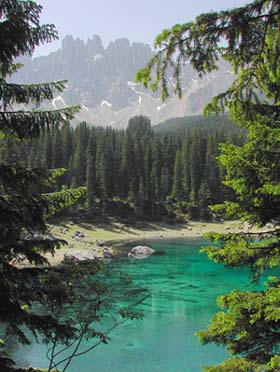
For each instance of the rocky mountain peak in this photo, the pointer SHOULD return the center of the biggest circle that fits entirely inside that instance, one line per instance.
(102, 81)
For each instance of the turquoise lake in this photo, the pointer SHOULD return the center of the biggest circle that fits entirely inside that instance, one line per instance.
(183, 286)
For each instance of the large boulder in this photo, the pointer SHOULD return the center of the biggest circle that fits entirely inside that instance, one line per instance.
(141, 251)
(79, 256)
(100, 243)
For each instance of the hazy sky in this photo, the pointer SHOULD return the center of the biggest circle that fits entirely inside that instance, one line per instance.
(138, 20)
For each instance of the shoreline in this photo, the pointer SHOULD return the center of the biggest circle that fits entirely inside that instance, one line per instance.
(83, 236)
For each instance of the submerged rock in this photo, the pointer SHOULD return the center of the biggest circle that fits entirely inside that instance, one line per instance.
(107, 254)
(141, 251)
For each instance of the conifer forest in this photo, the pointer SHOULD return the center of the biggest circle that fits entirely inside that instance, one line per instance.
(135, 172)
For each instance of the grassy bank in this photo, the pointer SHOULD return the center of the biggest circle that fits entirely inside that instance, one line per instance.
(84, 235)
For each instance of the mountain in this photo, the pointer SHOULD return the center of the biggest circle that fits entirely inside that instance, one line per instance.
(102, 81)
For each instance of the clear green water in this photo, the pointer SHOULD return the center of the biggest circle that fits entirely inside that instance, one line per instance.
(183, 285)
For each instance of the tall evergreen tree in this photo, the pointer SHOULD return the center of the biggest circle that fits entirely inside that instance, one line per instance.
(127, 165)
(79, 156)
(66, 135)
(22, 210)
(212, 174)
(177, 189)
(249, 322)
(90, 173)
(57, 149)
(47, 151)
(186, 166)
(197, 162)
(165, 183)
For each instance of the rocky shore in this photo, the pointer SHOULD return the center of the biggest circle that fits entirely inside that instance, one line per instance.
(102, 240)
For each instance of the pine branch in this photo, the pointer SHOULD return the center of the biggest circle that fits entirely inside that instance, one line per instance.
(20, 31)
(60, 200)
(237, 35)
(26, 94)
(29, 124)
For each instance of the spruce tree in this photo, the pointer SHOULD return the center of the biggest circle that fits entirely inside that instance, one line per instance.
(79, 156)
(197, 163)
(67, 137)
(90, 173)
(47, 151)
(212, 174)
(248, 37)
(177, 188)
(23, 230)
(57, 149)
(186, 166)
(127, 162)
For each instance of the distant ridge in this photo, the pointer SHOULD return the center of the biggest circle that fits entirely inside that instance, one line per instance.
(198, 121)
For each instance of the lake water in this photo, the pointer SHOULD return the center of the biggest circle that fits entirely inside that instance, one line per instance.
(183, 285)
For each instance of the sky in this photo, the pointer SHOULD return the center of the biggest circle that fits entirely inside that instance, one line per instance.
(139, 21)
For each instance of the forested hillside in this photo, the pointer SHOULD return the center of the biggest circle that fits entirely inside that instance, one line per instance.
(196, 122)
(135, 172)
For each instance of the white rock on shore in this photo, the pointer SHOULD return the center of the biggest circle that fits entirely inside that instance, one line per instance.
(141, 251)
(79, 256)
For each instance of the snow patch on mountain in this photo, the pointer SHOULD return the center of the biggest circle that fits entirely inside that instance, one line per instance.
(161, 107)
(131, 84)
(106, 103)
(101, 81)
(97, 57)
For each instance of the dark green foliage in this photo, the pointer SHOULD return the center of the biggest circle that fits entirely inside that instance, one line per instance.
(199, 122)
(20, 31)
(247, 37)
(249, 327)
(79, 156)
(25, 201)
(177, 189)
(197, 161)
(90, 173)
(150, 170)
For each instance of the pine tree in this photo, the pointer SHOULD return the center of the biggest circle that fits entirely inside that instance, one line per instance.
(79, 156)
(67, 135)
(212, 174)
(127, 162)
(177, 189)
(186, 165)
(90, 173)
(249, 322)
(47, 151)
(165, 183)
(197, 163)
(140, 200)
(105, 172)
(22, 210)
(155, 177)
(147, 165)
(57, 149)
